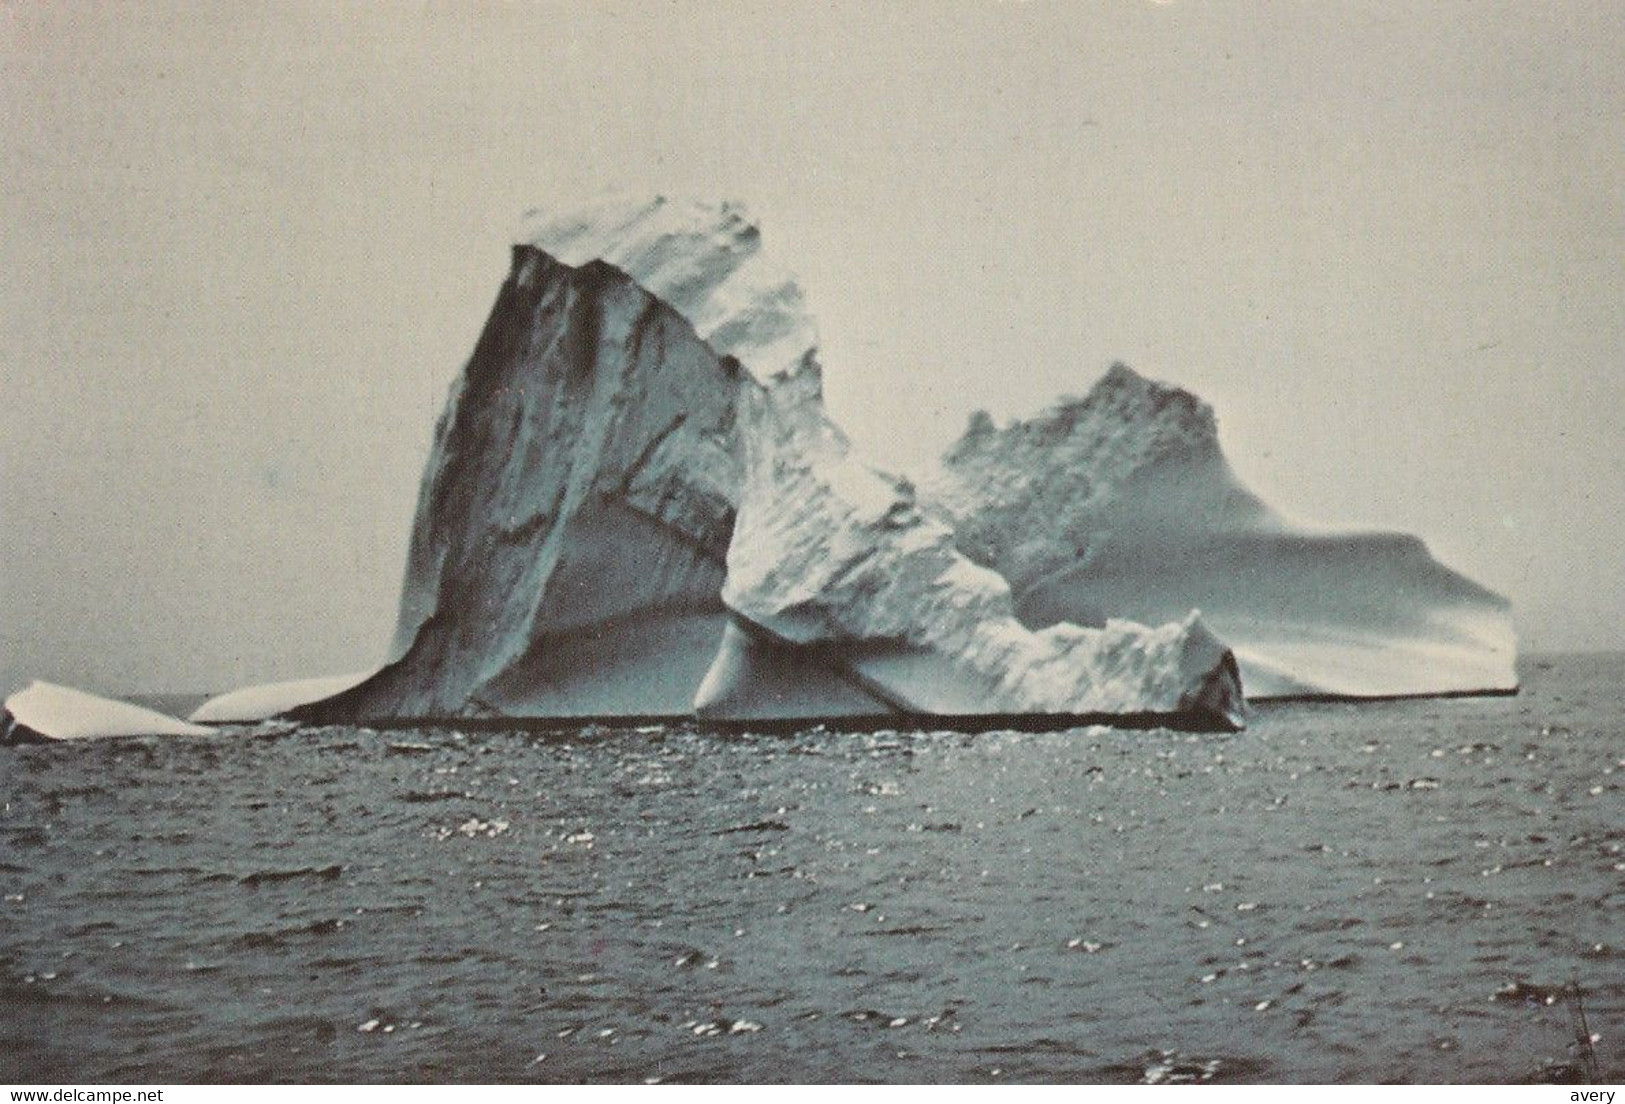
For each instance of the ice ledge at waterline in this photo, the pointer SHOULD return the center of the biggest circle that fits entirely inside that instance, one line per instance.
(637, 506)
(576, 522)
(272, 699)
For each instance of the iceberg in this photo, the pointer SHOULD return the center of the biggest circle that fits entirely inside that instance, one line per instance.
(636, 507)
(44, 711)
(250, 704)
(1121, 503)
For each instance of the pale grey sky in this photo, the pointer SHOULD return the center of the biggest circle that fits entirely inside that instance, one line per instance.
(247, 250)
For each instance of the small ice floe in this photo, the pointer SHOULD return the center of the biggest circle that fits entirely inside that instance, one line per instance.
(44, 712)
(582, 836)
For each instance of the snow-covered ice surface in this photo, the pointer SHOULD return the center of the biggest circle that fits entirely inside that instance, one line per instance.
(259, 703)
(704, 261)
(1122, 504)
(44, 710)
(575, 522)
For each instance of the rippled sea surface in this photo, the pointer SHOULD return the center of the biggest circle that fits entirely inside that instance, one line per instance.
(1392, 891)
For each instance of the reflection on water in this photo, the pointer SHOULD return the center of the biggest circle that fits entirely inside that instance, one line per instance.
(1396, 891)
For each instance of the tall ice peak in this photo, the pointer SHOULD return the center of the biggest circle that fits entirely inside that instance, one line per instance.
(704, 260)
(1160, 418)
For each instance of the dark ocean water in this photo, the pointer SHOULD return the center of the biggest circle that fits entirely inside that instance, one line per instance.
(1342, 893)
